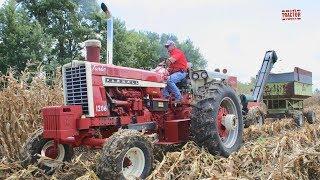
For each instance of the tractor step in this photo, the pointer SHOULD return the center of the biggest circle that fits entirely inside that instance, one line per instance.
(143, 126)
(177, 131)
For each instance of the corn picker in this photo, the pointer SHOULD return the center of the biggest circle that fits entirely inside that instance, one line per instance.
(121, 109)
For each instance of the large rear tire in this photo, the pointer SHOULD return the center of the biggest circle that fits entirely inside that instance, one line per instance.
(126, 155)
(36, 145)
(210, 119)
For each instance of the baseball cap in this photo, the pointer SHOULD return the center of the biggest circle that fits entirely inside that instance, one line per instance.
(169, 42)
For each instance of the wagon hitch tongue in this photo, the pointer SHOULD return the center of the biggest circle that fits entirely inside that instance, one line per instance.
(230, 122)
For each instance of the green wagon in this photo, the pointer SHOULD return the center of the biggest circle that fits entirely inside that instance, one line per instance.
(284, 94)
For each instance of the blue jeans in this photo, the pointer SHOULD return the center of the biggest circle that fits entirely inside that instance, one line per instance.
(171, 85)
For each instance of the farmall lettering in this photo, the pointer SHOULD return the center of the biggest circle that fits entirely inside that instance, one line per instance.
(121, 81)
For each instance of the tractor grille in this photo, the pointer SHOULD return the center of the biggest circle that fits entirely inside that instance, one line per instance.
(51, 122)
(76, 87)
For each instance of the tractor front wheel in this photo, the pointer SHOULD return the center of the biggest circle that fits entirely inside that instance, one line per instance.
(126, 155)
(36, 145)
(216, 121)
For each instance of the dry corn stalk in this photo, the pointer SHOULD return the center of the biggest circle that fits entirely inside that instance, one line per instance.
(20, 105)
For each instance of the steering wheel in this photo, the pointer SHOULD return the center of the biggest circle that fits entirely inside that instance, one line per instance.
(162, 62)
(164, 65)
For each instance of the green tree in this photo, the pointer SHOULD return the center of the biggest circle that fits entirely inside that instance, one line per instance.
(193, 54)
(65, 22)
(53, 31)
(131, 48)
(22, 39)
(246, 88)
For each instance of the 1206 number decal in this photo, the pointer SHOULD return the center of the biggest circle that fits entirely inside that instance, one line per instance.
(101, 108)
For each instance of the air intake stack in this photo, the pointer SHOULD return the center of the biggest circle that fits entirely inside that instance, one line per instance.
(93, 47)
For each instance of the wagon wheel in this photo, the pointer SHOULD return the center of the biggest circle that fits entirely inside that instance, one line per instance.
(310, 116)
(298, 119)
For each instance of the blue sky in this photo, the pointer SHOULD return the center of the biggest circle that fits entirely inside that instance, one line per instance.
(234, 34)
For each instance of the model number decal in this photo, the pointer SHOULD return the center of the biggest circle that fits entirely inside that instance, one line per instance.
(121, 81)
(101, 108)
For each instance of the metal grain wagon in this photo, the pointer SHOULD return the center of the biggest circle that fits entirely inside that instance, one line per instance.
(285, 92)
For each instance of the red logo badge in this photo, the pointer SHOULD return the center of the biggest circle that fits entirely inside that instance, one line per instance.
(291, 14)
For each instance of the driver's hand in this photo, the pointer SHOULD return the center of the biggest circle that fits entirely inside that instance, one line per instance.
(162, 63)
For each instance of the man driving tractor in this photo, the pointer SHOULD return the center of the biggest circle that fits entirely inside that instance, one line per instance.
(177, 68)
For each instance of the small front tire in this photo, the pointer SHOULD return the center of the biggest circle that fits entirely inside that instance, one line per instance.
(37, 145)
(126, 155)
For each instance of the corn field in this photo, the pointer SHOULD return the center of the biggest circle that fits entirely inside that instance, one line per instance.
(20, 105)
(276, 150)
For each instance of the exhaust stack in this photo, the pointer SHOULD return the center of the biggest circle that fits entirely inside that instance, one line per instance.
(110, 41)
(109, 34)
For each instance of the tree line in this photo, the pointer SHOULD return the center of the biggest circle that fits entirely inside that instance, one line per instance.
(50, 33)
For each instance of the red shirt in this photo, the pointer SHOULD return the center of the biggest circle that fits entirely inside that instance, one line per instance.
(181, 63)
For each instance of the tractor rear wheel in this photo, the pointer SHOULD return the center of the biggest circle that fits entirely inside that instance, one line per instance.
(126, 155)
(216, 120)
(37, 145)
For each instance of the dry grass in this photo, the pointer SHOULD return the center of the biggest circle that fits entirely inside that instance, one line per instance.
(312, 101)
(277, 150)
(289, 155)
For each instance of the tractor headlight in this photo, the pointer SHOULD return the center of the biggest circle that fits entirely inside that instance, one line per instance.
(204, 75)
(195, 76)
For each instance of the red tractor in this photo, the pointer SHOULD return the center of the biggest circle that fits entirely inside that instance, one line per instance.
(120, 109)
